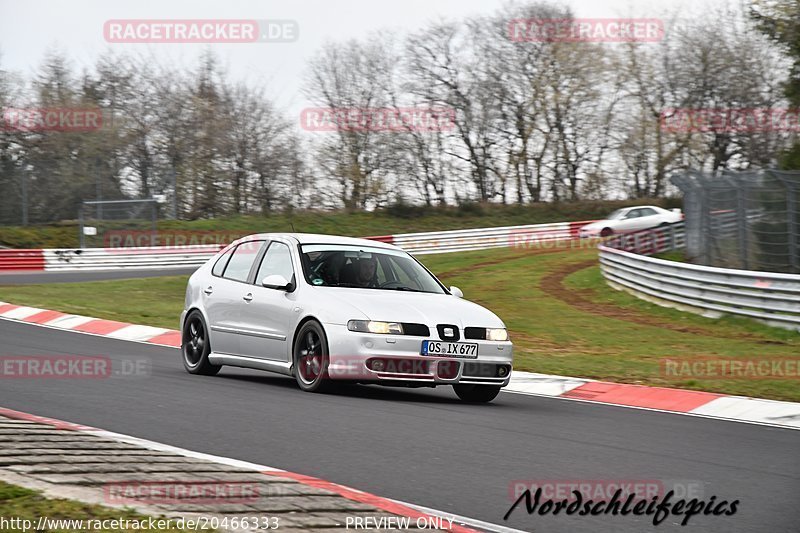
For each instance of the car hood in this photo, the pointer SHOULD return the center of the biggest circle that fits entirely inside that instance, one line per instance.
(398, 306)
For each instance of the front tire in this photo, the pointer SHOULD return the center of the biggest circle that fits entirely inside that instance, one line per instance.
(195, 346)
(311, 358)
(606, 232)
(477, 393)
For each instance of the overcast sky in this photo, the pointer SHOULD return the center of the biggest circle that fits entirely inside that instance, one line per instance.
(28, 28)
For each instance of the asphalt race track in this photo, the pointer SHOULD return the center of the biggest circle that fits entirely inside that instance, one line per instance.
(55, 276)
(421, 446)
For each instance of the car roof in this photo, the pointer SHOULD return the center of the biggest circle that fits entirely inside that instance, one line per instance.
(318, 238)
(640, 207)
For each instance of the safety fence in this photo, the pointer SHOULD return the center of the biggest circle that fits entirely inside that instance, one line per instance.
(748, 220)
(648, 242)
(188, 256)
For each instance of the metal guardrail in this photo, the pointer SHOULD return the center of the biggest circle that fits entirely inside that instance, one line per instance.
(21, 260)
(120, 258)
(766, 296)
(485, 238)
(177, 256)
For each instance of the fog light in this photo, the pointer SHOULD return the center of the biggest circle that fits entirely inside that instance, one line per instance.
(502, 371)
(377, 365)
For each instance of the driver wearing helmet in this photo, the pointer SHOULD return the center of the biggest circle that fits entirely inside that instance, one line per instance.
(366, 270)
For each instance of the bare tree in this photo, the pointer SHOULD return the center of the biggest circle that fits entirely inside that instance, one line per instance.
(354, 77)
(445, 71)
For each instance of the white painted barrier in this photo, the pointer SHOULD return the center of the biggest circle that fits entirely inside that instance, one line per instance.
(134, 258)
(188, 256)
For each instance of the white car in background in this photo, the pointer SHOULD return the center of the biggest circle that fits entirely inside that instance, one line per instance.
(325, 309)
(630, 219)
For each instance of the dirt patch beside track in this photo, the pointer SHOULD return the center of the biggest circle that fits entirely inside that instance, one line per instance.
(500, 260)
(553, 284)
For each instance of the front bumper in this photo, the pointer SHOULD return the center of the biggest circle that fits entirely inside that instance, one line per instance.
(352, 356)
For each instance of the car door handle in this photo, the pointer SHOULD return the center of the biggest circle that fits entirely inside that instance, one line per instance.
(208, 290)
(247, 297)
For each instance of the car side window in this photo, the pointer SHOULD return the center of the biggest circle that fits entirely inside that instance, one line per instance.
(222, 262)
(242, 260)
(646, 212)
(633, 213)
(277, 260)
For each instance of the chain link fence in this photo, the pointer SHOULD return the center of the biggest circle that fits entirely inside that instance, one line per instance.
(745, 220)
(101, 221)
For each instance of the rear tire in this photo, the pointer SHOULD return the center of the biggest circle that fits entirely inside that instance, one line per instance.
(311, 358)
(195, 346)
(476, 393)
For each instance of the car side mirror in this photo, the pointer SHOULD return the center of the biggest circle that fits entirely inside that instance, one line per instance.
(455, 291)
(276, 281)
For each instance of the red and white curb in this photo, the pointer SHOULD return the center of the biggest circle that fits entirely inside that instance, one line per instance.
(681, 401)
(454, 523)
(94, 326)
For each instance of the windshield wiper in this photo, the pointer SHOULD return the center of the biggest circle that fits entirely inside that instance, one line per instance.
(409, 289)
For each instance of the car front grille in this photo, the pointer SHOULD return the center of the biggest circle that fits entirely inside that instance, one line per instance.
(448, 332)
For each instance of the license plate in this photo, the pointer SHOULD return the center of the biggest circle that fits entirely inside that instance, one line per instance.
(450, 349)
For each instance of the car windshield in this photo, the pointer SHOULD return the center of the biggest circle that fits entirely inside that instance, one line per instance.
(326, 265)
(616, 215)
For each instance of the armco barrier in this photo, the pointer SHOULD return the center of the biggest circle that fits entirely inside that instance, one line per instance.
(119, 258)
(180, 256)
(21, 259)
(766, 296)
(484, 238)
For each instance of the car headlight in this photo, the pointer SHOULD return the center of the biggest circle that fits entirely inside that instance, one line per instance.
(496, 334)
(371, 326)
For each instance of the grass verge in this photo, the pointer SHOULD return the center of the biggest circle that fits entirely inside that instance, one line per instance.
(28, 505)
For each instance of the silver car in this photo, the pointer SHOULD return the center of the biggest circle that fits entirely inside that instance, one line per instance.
(327, 309)
(631, 219)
